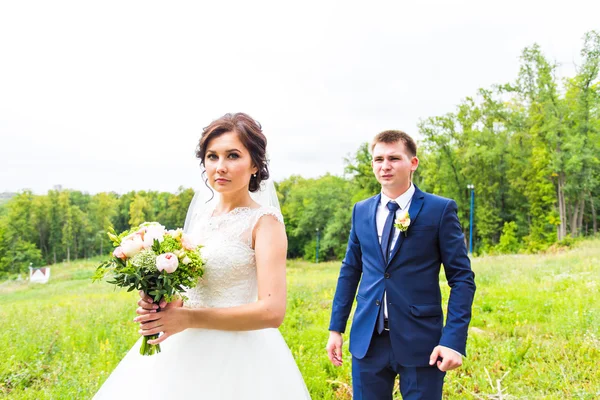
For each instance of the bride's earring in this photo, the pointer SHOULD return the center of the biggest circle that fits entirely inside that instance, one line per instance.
(254, 175)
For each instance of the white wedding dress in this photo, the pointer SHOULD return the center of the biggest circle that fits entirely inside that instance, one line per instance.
(212, 364)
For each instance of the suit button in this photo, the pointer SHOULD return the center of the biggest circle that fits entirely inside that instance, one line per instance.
(386, 276)
(377, 302)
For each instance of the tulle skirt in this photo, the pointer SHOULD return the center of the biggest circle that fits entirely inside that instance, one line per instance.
(210, 364)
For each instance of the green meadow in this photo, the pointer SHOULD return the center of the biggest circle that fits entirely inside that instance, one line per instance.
(535, 331)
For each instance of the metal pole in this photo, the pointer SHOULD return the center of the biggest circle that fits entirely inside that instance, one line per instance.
(471, 218)
(317, 258)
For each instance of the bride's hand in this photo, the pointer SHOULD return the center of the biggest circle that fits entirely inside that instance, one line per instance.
(170, 320)
(147, 305)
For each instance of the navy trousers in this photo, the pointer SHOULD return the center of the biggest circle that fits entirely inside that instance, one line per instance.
(373, 376)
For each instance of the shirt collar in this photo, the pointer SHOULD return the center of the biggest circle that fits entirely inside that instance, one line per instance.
(402, 200)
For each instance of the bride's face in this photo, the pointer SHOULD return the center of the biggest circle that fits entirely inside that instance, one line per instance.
(228, 164)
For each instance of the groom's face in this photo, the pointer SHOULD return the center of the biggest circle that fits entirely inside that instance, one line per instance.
(393, 165)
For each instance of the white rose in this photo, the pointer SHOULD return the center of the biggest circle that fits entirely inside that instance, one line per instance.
(403, 219)
(131, 245)
(168, 262)
(175, 233)
(178, 253)
(153, 232)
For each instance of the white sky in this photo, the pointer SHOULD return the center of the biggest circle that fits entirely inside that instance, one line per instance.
(112, 95)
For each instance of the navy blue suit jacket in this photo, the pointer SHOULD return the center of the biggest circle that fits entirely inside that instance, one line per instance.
(411, 280)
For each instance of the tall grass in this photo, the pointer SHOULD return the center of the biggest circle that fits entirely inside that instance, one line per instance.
(535, 332)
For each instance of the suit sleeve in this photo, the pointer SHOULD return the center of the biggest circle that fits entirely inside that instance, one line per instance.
(460, 277)
(350, 274)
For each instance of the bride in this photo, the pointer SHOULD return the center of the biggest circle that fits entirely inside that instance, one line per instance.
(222, 343)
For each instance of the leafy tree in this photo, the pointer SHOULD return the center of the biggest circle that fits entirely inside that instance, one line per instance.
(138, 209)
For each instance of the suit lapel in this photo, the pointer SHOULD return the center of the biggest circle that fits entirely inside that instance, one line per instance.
(414, 209)
(373, 228)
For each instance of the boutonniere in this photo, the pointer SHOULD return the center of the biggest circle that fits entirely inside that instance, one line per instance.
(403, 222)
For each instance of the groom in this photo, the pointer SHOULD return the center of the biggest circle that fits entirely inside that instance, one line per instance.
(398, 322)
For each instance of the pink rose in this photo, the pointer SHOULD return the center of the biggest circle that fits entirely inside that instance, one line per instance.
(168, 262)
(119, 253)
(403, 219)
(189, 242)
(132, 244)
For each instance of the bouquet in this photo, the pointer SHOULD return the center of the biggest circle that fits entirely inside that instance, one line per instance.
(162, 263)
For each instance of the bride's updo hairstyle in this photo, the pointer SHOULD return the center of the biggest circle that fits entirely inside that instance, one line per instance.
(250, 134)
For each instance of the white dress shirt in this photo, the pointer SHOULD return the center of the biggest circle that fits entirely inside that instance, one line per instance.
(382, 213)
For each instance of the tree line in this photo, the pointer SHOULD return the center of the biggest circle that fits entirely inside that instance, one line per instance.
(530, 148)
(67, 224)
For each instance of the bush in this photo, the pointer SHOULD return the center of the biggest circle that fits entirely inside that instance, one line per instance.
(509, 243)
(16, 260)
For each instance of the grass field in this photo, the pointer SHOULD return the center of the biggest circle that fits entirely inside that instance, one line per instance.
(535, 331)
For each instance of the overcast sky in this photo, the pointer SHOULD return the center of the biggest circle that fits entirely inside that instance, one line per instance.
(113, 95)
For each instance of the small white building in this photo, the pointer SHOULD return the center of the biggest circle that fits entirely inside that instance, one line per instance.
(39, 275)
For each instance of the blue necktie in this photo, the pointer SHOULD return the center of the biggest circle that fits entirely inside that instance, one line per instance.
(386, 240)
(388, 229)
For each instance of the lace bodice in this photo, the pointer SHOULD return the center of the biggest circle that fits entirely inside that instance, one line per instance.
(230, 271)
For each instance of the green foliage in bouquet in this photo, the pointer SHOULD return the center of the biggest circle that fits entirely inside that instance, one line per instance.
(161, 263)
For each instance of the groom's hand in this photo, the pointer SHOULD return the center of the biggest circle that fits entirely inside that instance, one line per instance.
(450, 358)
(334, 348)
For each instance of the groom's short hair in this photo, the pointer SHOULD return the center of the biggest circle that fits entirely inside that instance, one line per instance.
(394, 136)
